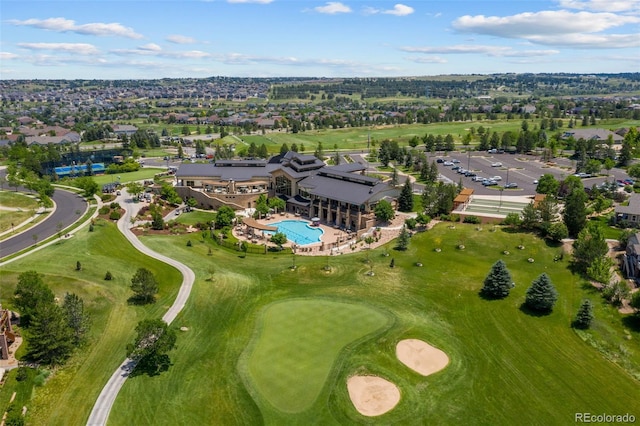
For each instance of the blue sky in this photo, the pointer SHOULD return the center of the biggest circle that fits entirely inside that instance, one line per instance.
(105, 39)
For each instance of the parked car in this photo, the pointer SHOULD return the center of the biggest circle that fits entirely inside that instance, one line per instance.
(497, 178)
(448, 163)
(511, 185)
(469, 173)
(477, 178)
(489, 182)
(496, 164)
(455, 161)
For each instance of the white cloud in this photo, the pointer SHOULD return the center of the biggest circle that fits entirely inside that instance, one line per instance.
(250, 1)
(151, 47)
(602, 5)
(333, 7)
(78, 48)
(399, 10)
(590, 41)
(555, 28)
(68, 25)
(180, 39)
(8, 55)
(525, 25)
(428, 60)
(494, 51)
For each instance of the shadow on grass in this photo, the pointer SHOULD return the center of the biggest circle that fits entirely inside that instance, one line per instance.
(152, 366)
(632, 322)
(533, 312)
(139, 301)
(487, 296)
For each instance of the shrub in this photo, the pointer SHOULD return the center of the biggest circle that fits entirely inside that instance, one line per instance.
(115, 215)
(472, 219)
(411, 223)
(108, 276)
(78, 266)
(22, 374)
(114, 205)
(189, 243)
(104, 210)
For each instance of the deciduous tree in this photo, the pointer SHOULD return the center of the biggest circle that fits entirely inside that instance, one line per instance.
(154, 339)
(144, 286)
(31, 292)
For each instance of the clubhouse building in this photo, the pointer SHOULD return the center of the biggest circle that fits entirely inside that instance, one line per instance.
(341, 196)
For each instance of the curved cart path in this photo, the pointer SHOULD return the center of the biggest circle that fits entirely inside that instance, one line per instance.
(102, 408)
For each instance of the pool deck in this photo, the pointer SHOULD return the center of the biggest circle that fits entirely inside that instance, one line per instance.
(334, 240)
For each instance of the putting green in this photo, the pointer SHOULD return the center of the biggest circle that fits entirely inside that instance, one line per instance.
(296, 345)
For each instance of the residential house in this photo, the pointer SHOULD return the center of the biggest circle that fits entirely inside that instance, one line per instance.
(631, 258)
(630, 213)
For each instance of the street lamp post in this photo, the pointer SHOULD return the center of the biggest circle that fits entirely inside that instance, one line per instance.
(501, 189)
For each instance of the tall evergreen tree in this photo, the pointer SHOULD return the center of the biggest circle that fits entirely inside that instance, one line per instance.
(77, 318)
(405, 200)
(584, 316)
(541, 295)
(575, 211)
(498, 282)
(403, 239)
(50, 338)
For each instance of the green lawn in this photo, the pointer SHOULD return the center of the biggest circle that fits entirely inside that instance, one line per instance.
(505, 364)
(105, 249)
(18, 200)
(300, 336)
(144, 173)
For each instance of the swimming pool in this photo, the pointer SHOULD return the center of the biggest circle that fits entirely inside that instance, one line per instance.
(298, 231)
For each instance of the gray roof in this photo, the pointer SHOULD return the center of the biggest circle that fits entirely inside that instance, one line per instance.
(633, 207)
(593, 134)
(349, 167)
(223, 173)
(343, 190)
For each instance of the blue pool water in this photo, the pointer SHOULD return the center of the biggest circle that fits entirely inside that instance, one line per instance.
(298, 231)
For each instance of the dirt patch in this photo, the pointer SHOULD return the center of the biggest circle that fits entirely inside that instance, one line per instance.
(421, 357)
(372, 395)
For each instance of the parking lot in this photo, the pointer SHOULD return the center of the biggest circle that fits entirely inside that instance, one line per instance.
(514, 169)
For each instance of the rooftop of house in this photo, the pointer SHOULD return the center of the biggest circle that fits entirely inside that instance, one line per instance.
(590, 134)
(632, 208)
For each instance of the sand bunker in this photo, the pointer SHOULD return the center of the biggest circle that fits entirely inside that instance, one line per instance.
(372, 395)
(421, 357)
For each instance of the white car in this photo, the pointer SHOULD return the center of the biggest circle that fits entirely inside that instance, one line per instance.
(497, 178)
(498, 164)
(448, 163)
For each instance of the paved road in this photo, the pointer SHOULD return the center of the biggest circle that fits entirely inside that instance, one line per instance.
(100, 412)
(69, 208)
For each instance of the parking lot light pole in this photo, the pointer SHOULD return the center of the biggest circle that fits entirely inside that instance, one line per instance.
(501, 189)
